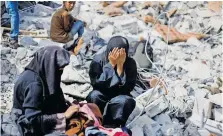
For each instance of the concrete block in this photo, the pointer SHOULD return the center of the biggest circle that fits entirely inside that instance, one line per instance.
(202, 105)
(137, 131)
(106, 33)
(137, 110)
(163, 119)
(201, 93)
(218, 116)
(203, 132)
(156, 107)
(198, 70)
(143, 98)
(210, 125)
(180, 91)
(145, 120)
(216, 23)
(216, 99)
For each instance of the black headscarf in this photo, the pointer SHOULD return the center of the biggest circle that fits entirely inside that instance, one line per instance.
(115, 42)
(46, 63)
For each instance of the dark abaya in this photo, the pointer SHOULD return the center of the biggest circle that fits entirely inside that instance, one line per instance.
(111, 92)
(38, 95)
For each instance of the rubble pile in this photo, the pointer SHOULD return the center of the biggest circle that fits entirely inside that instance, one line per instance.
(187, 58)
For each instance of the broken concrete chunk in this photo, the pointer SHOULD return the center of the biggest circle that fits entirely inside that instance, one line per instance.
(143, 98)
(201, 93)
(27, 41)
(204, 132)
(215, 6)
(192, 4)
(210, 125)
(217, 99)
(205, 13)
(218, 114)
(156, 107)
(198, 70)
(202, 106)
(137, 131)
(143, 120)
(180, 91)
(106, 33)
(136, 112)
(163, 119)
(216, 23)
(21, 53)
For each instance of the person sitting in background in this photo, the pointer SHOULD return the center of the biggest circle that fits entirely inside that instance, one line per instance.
(64, 26)
(113, 76)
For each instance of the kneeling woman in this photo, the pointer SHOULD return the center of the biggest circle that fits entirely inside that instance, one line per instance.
(38, 95)
(113, 76)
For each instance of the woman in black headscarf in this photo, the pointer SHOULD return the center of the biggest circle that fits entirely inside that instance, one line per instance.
(113, 76)
(38, 95)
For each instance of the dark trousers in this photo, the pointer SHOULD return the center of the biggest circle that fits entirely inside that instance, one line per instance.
(115, 109)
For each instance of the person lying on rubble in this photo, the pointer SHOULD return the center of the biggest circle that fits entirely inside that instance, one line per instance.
(113, 76)
(38, 100)
(64, 26)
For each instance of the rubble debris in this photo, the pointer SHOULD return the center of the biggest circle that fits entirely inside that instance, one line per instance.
(202, 106)
(171, 12)
(27, 41)
(215, 6)
(156, 107)
(174, 35)
(216, 99)
(218, 116)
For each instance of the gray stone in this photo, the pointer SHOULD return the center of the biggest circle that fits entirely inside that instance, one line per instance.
(5, 66)
(137, 131)
(21, 53)
(203, 132)
(218, 116)
(192, 4)
(41, 10)
(163, 119)
(217, 99)
(106, 33)
(5, 50)
(4, 78)
(26, 41)
(216, 23)
(198, 70)
(156, 107)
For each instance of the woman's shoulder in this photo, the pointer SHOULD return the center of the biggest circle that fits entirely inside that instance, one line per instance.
(29, 76)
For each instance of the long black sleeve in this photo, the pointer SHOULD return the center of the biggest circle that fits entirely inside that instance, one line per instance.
(103, 77)
(33, 121)
(106, 78)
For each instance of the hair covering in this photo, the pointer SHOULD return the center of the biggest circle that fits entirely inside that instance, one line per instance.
(114, 42)
(47, 63)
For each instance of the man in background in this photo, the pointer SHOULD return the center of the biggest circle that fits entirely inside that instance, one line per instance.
(64, 26)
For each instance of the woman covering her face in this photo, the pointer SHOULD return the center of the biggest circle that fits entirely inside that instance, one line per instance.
(113, 77)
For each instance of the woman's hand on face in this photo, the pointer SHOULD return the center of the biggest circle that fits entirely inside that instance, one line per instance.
(122, 57)
(71, 110)
(113, 57)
